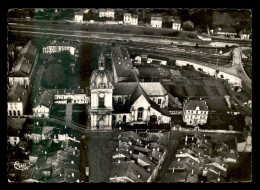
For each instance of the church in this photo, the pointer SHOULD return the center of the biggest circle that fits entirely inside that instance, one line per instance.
(113, 103)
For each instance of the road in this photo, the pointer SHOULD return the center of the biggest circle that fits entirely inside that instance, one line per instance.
(237, 60)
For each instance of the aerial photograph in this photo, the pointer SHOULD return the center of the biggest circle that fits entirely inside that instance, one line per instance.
(129, 95)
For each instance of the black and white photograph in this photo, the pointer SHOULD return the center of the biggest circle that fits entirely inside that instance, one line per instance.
(129, 95)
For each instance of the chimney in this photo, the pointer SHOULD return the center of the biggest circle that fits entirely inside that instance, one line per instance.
(64, 90)
(148, 169)
(131, 152)
(34, 101)
(18, 99)
(24, 85)
(116, 149)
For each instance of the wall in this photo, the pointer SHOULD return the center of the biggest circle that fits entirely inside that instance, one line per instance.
(212, 72)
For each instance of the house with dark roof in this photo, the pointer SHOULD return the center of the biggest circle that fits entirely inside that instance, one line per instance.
(15, 127)
(42, 106)
(22, 71)
(156, 21)
(109, 13)
(176, 24)
(122, 66)
(17, 100)
(195, 112)
(128, 172)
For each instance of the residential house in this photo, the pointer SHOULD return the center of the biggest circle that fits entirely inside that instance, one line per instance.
(130, 19)
(109, 13)
(176, 25)
(17, 100)
(128, 172)
(15, 127)
(78, 16)
(42, 105)
(195, 112)
(156, 21)
(23, 68)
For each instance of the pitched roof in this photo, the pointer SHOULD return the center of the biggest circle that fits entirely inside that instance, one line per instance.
(45, 99)
(124, 88)
(192, 104)
(146, 71)
(131, 170)
(137, 93)
(153, 88)
(17, 92)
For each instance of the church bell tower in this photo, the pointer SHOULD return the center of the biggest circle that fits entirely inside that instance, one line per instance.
(101, 90)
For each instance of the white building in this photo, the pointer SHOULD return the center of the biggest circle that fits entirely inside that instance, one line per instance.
(55, 47)
(176, 25)
(75, 96)
(17, 100)
(109, 13)
(195, 112)
(156, 21)
(78, 17)
(130, 19)
(42, 106)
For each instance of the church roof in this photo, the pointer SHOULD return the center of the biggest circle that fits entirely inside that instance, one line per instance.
(137, 93)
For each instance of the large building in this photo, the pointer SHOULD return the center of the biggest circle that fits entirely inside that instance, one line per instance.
(195, 112)
(128, 102)
(109, 13)
(23, 67)
(55, 47)
(122, 66)
(101, 89)
(17, 100)
(130, 19)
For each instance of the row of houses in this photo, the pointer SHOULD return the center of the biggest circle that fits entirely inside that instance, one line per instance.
(196, 161)
(51, 153)
(137, 158)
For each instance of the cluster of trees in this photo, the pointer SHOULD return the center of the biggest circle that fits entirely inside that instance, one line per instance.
(57, 74)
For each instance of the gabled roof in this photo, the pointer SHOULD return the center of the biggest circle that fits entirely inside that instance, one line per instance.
(137, 93)
(142, 157)
(153, 88)
(45, 99)
(17, 92)
(124, 88)
(130, 170)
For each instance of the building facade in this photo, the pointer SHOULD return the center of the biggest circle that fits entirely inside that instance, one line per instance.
(156, 21)
(130, 19)
(101, 90)
(58, 48)
(176, 25)
(195, 112)
(109, 13)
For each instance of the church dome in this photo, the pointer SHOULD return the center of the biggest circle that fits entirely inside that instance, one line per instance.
(101, 79)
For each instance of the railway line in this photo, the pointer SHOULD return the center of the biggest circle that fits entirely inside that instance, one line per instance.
(166, 50)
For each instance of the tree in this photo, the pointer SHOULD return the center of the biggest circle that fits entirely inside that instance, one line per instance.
(54, 76)
(188, 26)
(88, 16)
